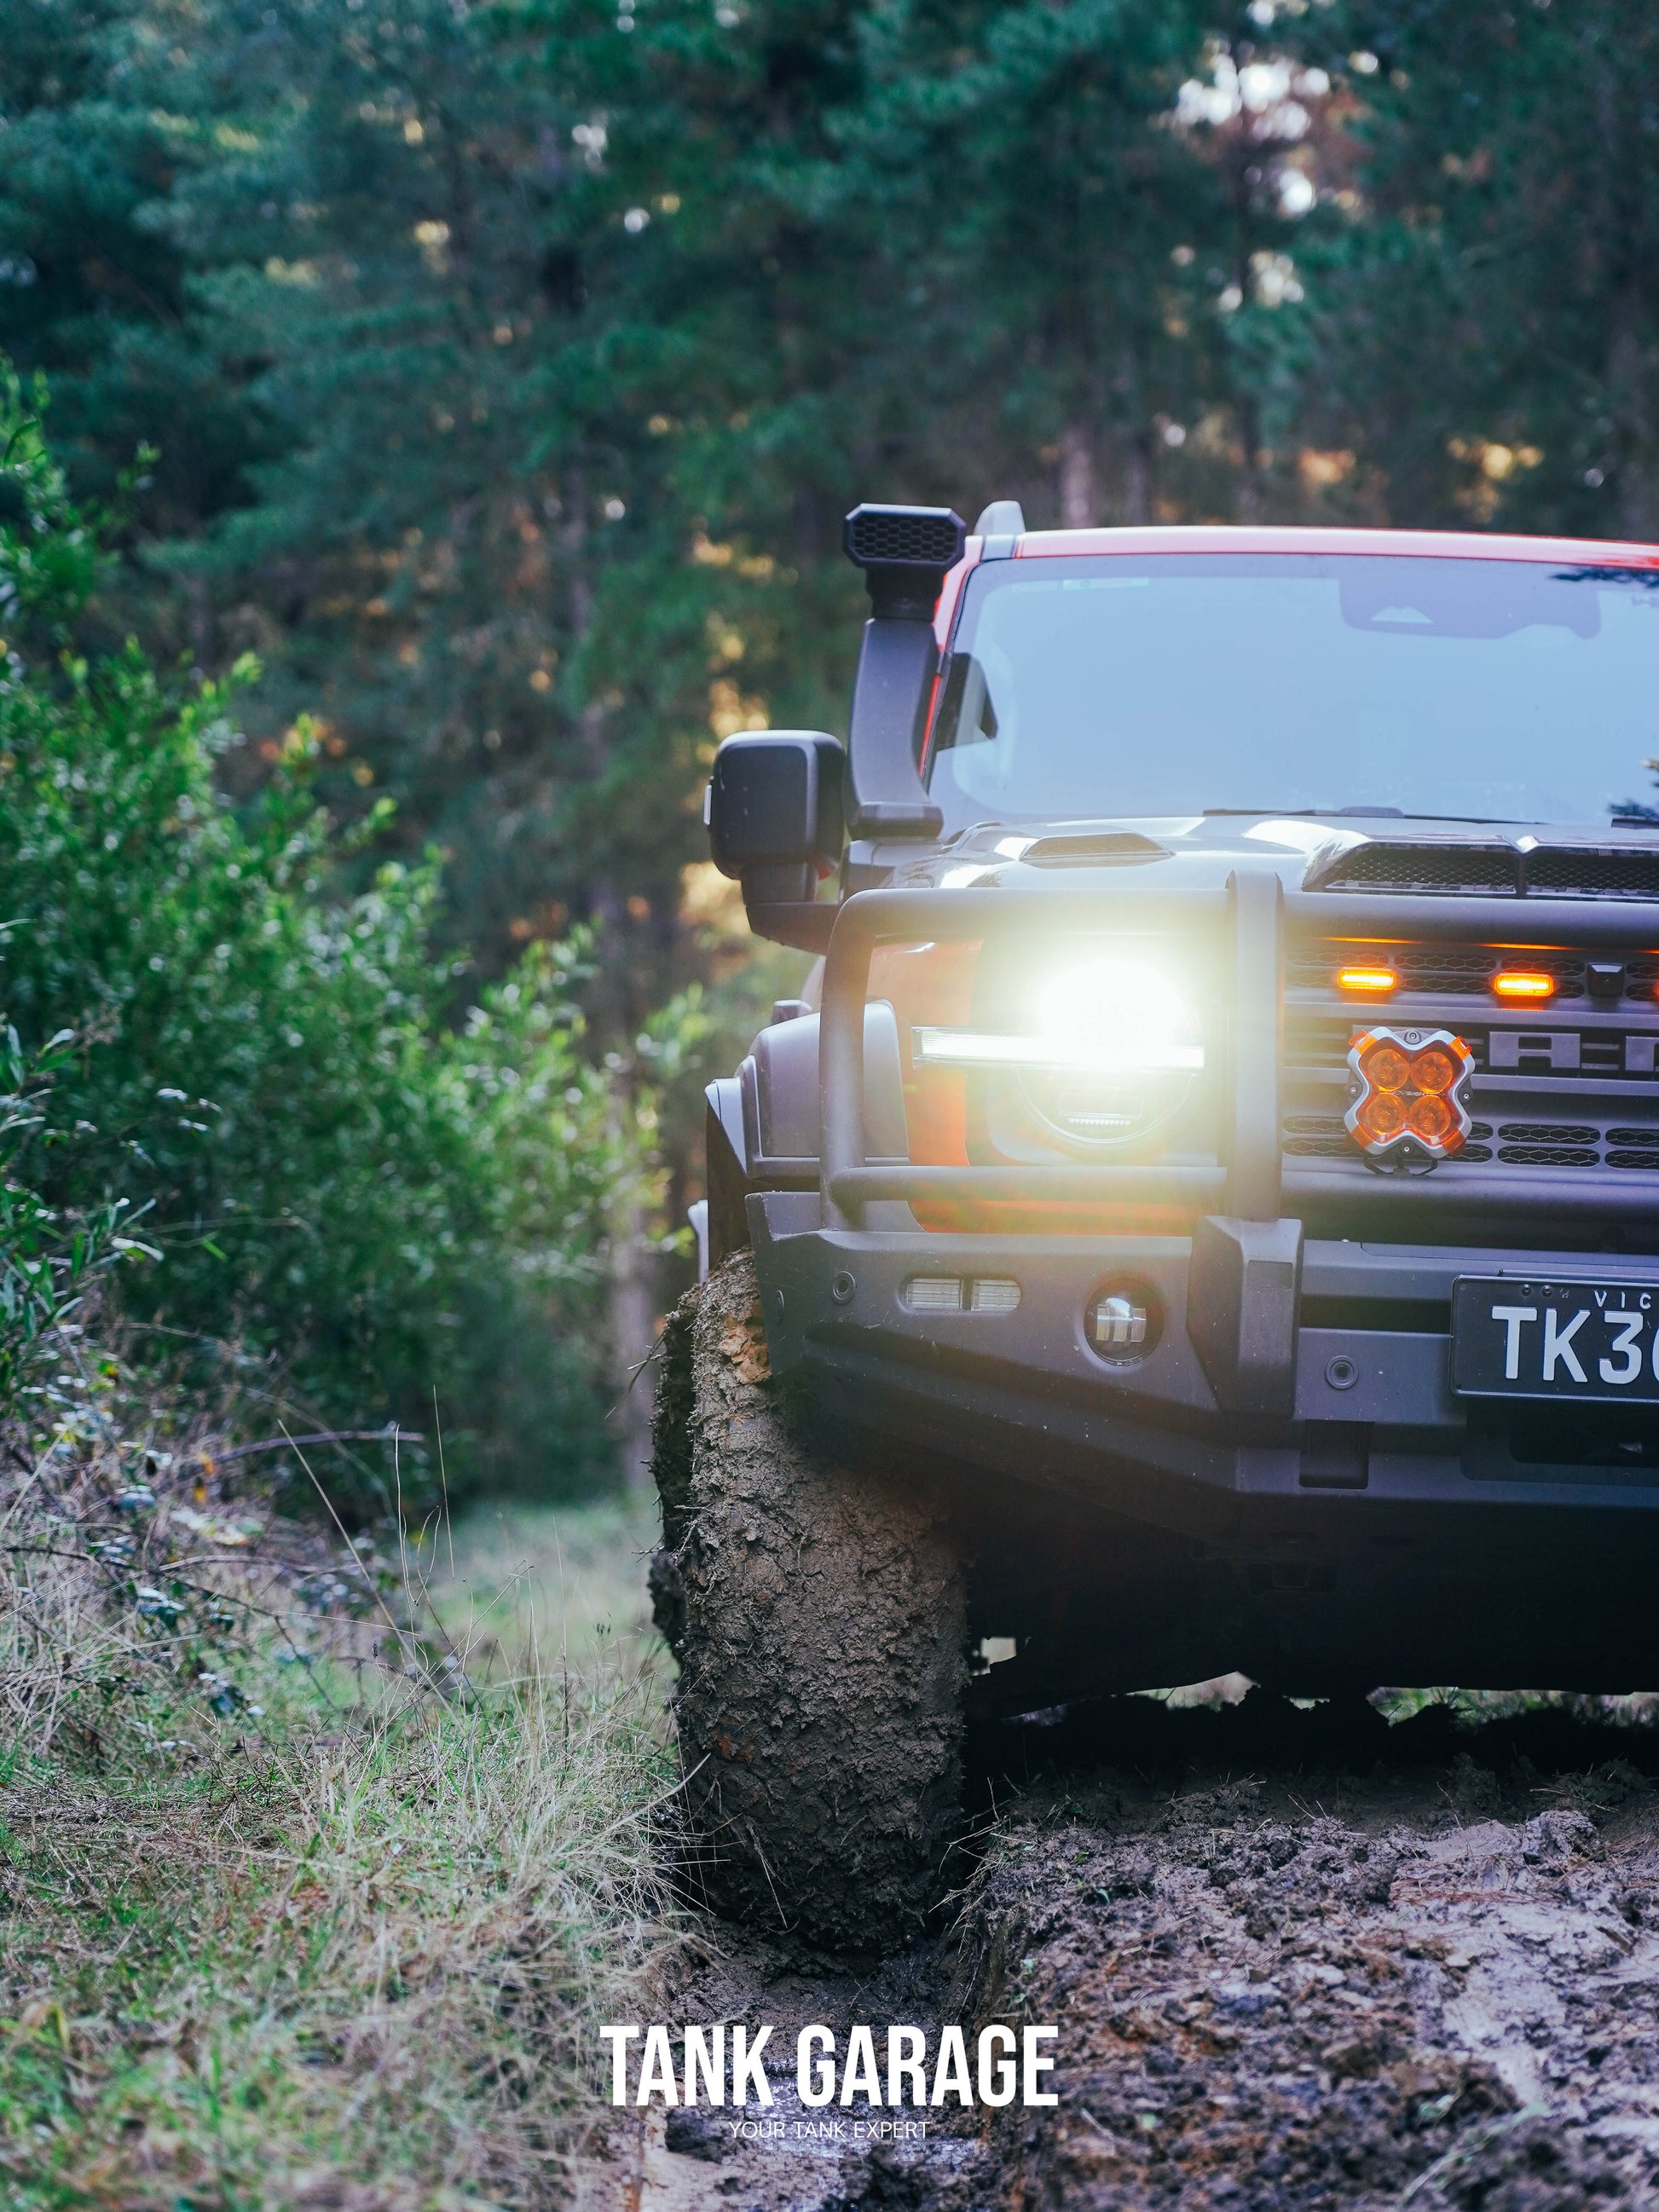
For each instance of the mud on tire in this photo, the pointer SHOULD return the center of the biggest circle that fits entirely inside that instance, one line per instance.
(817, 1613)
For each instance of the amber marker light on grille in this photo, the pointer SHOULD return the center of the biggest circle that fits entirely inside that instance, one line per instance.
(1370, 982)
(1523, 984)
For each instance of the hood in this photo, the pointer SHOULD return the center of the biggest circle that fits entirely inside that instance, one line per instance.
(1309, 852)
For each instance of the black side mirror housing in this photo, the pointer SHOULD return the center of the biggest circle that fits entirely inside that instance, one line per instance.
(775, 810)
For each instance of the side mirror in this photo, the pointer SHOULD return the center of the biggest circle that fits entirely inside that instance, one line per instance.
(774, 809)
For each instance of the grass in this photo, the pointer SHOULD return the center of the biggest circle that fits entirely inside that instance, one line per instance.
(321, 1916)
(318, 1867)
(533, 1585)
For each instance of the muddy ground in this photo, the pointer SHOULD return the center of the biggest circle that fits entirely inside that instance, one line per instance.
(1298, 1959)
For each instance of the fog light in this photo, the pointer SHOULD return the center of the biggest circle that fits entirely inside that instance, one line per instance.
(1123, 1320)
(1118, 1322)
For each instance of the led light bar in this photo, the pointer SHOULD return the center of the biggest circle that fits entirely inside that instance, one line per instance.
(987, 1049)
(1408, 1093)
(1523, 984)
(1373, 981)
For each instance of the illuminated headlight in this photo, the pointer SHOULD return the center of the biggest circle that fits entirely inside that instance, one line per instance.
(1109, 1053)
(1123, 1012)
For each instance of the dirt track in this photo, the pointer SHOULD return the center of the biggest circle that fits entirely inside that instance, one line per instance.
(1297, 1959)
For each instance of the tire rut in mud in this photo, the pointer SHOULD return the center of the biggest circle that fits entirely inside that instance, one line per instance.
(1300, 1961)
(1303, 1961)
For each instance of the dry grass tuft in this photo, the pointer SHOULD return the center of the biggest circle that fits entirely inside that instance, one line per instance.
(300, 1902)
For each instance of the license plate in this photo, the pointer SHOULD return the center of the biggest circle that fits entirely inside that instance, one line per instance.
(1594, 1341)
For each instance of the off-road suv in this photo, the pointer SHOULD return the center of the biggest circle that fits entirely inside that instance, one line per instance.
(1205, 1214)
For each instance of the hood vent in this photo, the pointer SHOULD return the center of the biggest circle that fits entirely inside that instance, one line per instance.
(1093, 849)
(1578, 871)
(1486, 870)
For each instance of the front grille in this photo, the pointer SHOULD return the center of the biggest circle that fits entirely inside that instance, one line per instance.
(1457, 970)
(1325, 1136)
(1314, 1136)
(1570, 1087)
(1445, 968)
(1434, 968)
(1520, 1143)
(1319, 1043)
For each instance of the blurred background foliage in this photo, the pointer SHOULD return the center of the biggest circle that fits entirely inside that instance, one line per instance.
(494, 376)
(351, 1195)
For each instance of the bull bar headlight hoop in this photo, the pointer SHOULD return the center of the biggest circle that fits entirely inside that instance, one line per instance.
(1408, 1095)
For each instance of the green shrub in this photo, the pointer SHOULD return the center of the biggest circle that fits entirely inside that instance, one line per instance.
(45, 1264)
(339, 1186)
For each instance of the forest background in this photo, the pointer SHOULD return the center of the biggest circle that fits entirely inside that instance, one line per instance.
(449, 413)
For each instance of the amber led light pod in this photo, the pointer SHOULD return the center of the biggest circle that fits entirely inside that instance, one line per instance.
(1408, 1091)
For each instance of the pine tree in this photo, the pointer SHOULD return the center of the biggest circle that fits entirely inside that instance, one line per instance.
(1490, 319)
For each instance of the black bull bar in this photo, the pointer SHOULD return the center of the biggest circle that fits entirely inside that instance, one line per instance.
(1249, 919)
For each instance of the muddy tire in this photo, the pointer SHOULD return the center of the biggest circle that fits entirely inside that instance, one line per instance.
(816, 1610)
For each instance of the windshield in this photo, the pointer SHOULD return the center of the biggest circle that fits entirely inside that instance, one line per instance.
(1136, 684)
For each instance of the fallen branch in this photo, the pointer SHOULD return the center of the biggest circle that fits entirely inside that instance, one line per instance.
(322, 1436)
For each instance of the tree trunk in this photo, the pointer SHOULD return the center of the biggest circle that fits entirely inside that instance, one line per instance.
(633, 1338)
(632, 1319)
(1138, 478)
(1629, 388)
(1079, 502)
(1248, 418)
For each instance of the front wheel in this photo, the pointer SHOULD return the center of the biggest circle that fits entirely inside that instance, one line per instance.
(818, 1615)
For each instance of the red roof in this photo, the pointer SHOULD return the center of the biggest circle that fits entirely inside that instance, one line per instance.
(1225, 538)
(1233, 537)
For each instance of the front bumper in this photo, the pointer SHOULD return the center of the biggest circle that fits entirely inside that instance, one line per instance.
(1371, 1420)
